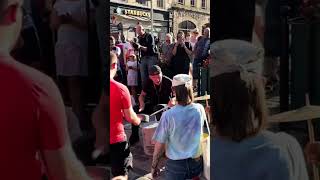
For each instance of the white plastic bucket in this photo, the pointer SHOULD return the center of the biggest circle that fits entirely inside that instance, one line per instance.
(148, 131)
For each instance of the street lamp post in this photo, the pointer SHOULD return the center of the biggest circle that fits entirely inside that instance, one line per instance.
(151, 17)
(151, 12)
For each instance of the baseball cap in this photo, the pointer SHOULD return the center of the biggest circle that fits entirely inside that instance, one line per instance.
(154, 70)
(181, 79)
(230, 54)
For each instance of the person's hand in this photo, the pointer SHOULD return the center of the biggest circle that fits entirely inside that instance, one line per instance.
(141, 108)
(155, 172)
(171, 103)
(207, 109)
(143, 117)
(312, 152)
(138, 45)
(135, 45)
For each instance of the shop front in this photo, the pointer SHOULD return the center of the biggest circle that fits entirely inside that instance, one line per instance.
(124, 18)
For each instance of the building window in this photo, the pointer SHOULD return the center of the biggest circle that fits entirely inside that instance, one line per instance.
(193, 3)
(186, 26)
(143, 2)
(203, 4)
(160, 3)
(180, 1)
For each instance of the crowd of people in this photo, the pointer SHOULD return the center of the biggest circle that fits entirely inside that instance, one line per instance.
(184, 55)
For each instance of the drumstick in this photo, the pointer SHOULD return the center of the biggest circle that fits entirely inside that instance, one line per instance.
(312, 140)
(206, 97)
(160, 110)
(207, 105)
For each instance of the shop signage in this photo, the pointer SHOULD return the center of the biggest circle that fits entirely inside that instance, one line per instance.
(136, 13)
(133, 12)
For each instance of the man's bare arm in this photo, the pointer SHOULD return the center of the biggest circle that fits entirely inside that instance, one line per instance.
(141, 100)
(131, 116)
(143, 48)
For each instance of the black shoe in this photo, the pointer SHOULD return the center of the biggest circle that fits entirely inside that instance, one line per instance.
(133, 139)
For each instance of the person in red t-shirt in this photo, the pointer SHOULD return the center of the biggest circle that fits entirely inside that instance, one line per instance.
(121, 157)
(33, 119)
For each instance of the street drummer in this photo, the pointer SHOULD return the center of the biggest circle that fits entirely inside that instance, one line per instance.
(157, 90)
(179, 133)
(33, 118)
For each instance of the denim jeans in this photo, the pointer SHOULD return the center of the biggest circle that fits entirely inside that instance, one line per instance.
(183, 169)
(146, 63)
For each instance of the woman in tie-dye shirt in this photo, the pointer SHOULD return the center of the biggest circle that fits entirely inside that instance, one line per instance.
(179, 132)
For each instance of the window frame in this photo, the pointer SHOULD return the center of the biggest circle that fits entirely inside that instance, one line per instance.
(181, 2)
(160, 3)
(203, 4)
(194, 3)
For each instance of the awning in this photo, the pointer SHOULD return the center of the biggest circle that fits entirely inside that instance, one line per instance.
(132, 17)
(142, 19)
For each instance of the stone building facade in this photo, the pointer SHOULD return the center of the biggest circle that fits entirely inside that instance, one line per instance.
(188, 16)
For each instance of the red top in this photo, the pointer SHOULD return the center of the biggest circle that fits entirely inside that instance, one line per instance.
(32, 119)
(119, 99)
